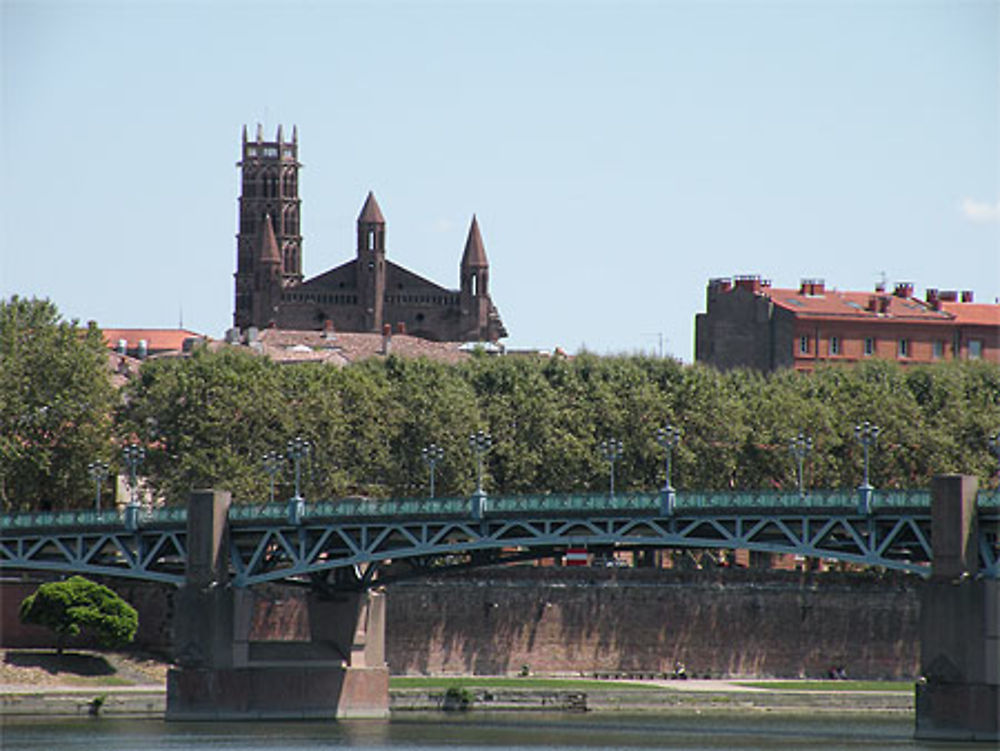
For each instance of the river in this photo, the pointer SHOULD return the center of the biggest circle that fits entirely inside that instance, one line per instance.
(478, 731)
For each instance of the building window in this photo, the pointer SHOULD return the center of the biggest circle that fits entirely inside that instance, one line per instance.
(938, 351)
(869, 345)
(834, 345)
(803, 345)
(975, 349)
(904, 347)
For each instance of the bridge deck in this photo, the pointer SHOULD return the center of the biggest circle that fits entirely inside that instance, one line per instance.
(362, 535)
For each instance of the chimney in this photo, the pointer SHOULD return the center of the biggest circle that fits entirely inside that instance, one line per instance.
(948, 295)
(122, 347)
(749, 282)
(883, 304)
(143, 349)
(903, 289)
(401, 328)
(386, 338)
(812, 287)
(880, 286)
(966, 295)
(328, 329)
(872, 303)
(933, 299)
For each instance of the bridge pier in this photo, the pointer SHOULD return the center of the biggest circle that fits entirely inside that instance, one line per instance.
(958, 697)
(223, 675)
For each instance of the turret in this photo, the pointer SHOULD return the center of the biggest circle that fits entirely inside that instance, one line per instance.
(267, 278)
(371, 262)
(475, 277)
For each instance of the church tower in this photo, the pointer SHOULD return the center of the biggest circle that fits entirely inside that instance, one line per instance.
(269, 187)
(370, 264)
(475, 278)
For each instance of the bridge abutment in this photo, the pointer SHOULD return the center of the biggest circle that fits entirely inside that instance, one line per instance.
(223, 674)
(958, 697)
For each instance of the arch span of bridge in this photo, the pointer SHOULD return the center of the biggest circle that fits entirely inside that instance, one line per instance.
(363, 540)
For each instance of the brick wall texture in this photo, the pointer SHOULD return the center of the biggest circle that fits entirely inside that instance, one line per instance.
(725, 622)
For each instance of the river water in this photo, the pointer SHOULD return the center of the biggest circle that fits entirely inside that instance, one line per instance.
(478, 731)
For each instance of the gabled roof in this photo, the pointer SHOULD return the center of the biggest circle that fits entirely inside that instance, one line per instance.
(370, 212)
(475, 252)
(269, 243)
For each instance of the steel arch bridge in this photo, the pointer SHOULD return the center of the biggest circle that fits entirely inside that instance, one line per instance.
(358, 542)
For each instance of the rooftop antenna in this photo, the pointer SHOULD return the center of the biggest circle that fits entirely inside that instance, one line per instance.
(180, 316)
(659, 336)
(883, 280)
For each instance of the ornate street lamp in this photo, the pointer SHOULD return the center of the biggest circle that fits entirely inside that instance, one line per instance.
(133, 455)
(432, 455)
(867, 434)
(98, 471)
(799, 446)
(611, 451)
(480, 442)
(272, 461)
(297, 449)
(668, 437)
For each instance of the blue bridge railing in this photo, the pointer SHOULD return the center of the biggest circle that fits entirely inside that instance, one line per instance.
(596, 503)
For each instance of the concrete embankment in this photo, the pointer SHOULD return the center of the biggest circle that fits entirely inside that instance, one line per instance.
(120, 701)
(699, 696)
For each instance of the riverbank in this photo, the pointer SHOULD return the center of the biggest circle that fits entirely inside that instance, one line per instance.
(40, 683)
(721, 696)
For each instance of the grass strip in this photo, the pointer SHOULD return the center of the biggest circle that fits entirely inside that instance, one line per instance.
(830, 685)
(525, 684)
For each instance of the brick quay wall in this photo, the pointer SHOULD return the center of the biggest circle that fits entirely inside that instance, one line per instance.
(723, 622)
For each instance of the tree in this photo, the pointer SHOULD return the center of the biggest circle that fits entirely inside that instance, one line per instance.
(78, 604)
(55, 406)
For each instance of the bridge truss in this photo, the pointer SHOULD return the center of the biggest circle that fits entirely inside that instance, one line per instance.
(355, 543)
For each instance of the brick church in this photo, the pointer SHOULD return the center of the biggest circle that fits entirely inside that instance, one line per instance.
(364, 294)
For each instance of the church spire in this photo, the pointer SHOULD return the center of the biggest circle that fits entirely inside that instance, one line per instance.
(475, 252)
(269, 243)
(370, 212)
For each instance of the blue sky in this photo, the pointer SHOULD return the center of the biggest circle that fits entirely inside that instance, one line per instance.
(618, 154)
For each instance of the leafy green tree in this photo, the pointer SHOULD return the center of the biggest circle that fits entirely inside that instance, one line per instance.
(56, 400)
(206, 421)
(78, 605)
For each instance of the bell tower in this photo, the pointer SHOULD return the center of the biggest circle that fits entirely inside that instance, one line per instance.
(269, 187)
(474, 276)
(371, 263)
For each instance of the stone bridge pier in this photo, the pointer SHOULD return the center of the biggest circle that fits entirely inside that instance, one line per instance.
(222, 675)
(958, 696)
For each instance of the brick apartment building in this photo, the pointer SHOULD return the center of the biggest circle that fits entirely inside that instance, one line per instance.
(362, 295)
(750, 324)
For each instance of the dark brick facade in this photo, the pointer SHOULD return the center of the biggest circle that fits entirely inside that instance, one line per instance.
(362, 295)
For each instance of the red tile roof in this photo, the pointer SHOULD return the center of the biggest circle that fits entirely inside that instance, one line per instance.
(865, 305)
(973, 314)
(157, 340)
